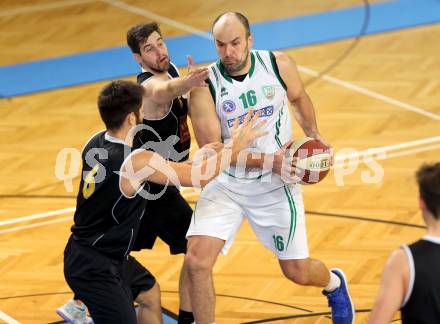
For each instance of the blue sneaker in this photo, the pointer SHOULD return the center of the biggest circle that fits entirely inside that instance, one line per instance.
(340, 302)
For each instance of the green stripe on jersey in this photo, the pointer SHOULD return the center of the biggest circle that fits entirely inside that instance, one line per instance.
(211, 89)
(215, 74)
(277, 127)
(261, 61)
(251, 70)
(275, 69)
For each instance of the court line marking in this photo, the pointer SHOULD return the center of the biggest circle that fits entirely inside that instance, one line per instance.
(43, 7)
(8, 319)
(37, 216)
(206, 35)
(159, 18)
(370, 93)
(63, 211)
(187, 28)
(413, 151)
(338, 164)
(389, 148)
(338, 159)
(303, 69)
(20, 228)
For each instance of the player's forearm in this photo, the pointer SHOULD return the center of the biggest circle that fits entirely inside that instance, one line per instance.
(213, 166)
(204, 136)
(255, 160)
(169, 90)
(305, 115)
(266, 162)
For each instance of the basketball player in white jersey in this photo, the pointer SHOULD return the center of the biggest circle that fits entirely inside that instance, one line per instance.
(265, 81)
(410, 280)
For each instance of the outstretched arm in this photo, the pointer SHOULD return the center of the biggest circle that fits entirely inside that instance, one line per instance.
(162, 90)
(143, 166)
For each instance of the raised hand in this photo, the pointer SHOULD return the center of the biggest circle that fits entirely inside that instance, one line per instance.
(242, 136)
(196, 76)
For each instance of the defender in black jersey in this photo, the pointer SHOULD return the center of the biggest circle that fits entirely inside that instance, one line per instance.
(165, 119)
(111, 205)
(97, 264)
(166, 133)
(169, 136)
(411, 280)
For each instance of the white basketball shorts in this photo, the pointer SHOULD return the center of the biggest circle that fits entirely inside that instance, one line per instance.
(277, 218)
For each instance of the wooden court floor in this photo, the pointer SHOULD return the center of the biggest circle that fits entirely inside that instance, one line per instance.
(385, 93)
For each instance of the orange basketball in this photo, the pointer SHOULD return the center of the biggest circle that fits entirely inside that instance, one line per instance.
(314, 159)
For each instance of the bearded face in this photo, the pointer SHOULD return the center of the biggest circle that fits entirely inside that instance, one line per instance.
(235, 63)
(154, 54)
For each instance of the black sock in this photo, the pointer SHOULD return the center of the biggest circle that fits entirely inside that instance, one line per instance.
(185, 317)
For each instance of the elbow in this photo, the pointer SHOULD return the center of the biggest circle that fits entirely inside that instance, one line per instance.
(299, 99)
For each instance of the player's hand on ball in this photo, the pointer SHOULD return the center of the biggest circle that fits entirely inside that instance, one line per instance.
(321, 139)
(284, 164)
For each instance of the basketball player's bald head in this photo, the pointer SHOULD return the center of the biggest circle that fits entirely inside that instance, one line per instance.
(231, 19)
(233, 41)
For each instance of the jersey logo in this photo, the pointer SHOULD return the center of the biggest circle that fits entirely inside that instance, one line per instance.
(268, 91)
(264, 112)
(224, 92)
(228, 106)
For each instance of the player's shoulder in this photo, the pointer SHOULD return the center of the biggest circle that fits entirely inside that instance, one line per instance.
(148, 78)
(261, 53)
(173, 71)
(95, 141)
(144, 76)
(397, 260)
(282, 58)
(213, 65)
(214, 72)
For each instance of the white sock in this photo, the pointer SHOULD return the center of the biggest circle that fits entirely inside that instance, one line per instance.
(334, 283)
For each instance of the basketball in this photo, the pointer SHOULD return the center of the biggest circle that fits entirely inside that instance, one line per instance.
(314, 159)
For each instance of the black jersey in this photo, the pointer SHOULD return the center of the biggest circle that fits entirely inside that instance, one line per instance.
(104, 218)
(423, 298)
(172, 129)
(168, 136)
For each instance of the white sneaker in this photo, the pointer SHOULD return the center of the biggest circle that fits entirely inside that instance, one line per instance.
(74, 312)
